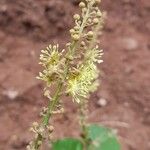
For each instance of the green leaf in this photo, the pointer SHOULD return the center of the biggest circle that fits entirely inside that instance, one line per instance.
(102, 138)
(67, 144)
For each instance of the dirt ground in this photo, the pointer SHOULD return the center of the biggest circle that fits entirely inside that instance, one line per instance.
(27, 26)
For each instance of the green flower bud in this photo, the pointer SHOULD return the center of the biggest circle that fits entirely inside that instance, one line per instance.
(90, 34)
(69, 58)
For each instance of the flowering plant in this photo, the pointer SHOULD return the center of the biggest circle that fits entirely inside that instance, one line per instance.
(73, 71)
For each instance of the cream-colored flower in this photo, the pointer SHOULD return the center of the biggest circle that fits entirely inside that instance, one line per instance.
(84, 82)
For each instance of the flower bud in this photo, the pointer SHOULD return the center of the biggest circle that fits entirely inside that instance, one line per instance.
(28, 147)
(79, 22)
(82, 4)
(76, 17)
(50, 137)
(35, 124)
(84, 10)
(94, 12)
(95, 21)
(90, 34)
(75, 37)
(69, 58)
(76, 28)
(50, 128)
(72, 31)
(39, 143)
(97, 1)
(89, 20)
(68, 44)
(99, 14)
(82, 43)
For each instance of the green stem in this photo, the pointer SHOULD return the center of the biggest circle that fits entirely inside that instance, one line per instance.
(51, 106)
(83, 124)
(46, 117)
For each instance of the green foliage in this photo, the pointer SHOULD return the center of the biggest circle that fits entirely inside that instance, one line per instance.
(102, 138)
(67, 144)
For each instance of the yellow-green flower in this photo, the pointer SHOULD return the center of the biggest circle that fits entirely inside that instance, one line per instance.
(50, 56)
(51, 61)
(83, 83)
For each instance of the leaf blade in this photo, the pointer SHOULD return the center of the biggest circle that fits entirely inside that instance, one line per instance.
(102, 138)
(67, 144)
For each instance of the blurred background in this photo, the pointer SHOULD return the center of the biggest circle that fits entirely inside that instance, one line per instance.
(122, 100)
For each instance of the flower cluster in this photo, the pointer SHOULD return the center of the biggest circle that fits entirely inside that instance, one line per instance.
(74, 72)
(80, 86)
(91, 15)
(83, 76)
(41, 133)
(51, 60)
